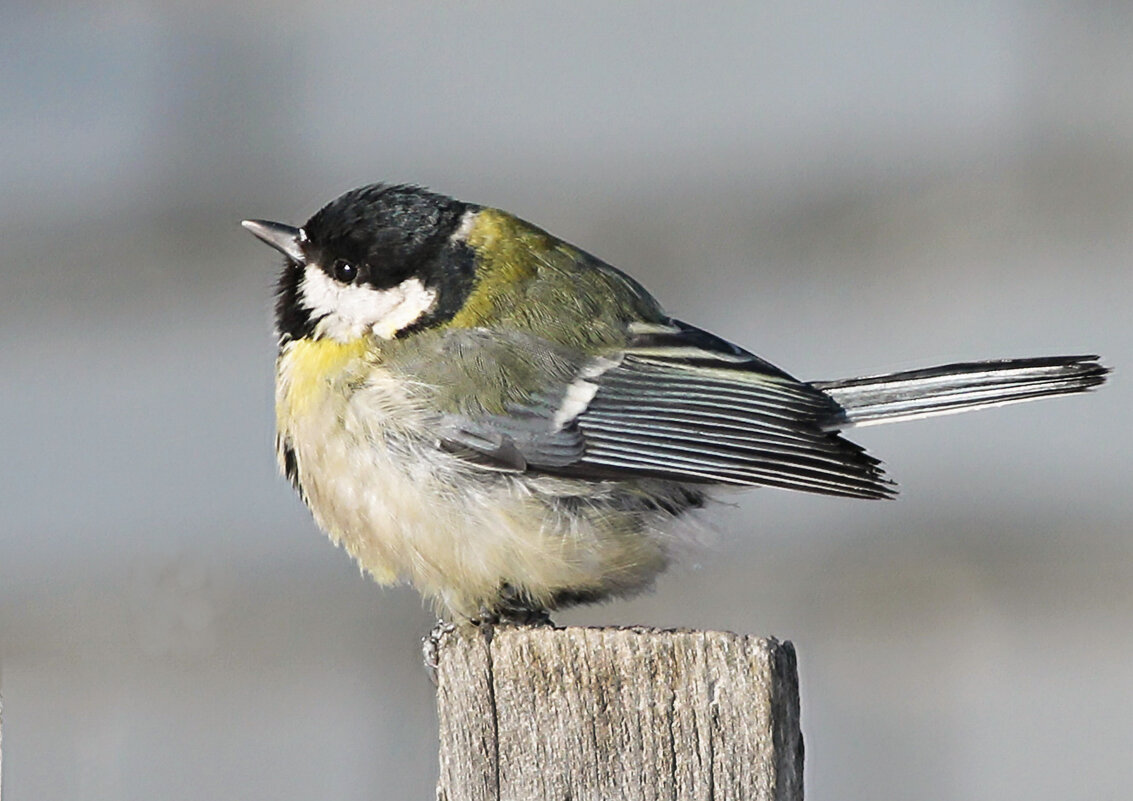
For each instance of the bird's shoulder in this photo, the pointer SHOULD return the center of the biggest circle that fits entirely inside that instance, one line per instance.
(527, 279)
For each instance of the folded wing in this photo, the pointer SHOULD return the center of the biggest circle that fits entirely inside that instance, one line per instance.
(680, 404)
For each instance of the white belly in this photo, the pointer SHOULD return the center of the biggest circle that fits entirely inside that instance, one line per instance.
(408, 511)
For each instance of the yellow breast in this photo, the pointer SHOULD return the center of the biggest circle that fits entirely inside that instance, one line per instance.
(310, 368)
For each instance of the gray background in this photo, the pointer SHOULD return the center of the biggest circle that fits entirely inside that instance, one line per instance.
(844, 190)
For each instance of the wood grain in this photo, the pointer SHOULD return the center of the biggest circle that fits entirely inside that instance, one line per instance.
(617, 713)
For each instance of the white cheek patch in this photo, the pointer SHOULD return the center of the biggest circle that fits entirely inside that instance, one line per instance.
(349, 312)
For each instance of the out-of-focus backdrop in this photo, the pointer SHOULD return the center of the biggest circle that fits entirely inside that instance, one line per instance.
(844, 189)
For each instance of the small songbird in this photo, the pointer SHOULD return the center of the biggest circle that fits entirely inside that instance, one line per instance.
(471, 405)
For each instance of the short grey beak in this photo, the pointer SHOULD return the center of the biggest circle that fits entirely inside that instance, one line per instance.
(284, 238)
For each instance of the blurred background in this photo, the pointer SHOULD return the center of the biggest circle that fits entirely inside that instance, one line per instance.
(844, 190)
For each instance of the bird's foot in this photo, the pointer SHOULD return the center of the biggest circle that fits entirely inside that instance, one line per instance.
(522, 616)
(431, 647)
(516, 609)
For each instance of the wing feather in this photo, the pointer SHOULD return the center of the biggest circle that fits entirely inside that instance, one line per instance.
(675, 421)
(677, 403)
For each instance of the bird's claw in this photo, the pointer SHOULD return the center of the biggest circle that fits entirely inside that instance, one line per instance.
(431, 647)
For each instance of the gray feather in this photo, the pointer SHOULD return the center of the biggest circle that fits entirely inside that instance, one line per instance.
(680, 404)
(677, 404)
(953, 388)
(701, 422)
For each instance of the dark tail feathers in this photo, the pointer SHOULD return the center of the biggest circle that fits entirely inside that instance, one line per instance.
(953, 388)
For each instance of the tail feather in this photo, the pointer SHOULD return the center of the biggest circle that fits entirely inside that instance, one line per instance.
(953, 388)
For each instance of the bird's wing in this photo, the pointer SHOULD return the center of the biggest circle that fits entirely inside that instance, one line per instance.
(686, 404)
(676, 403)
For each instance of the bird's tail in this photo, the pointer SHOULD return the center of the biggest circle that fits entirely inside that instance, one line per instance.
(953, 388)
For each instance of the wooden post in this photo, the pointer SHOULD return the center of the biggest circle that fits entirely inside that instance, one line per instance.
(574, 714)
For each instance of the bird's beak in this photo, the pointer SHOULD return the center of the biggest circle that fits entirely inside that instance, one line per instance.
(284, 238)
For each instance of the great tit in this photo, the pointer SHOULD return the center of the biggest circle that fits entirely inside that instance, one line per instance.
(469, 404)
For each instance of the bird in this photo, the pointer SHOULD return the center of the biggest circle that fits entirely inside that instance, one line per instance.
(471, 405)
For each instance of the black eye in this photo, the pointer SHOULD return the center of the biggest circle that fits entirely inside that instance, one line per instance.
(343, 271)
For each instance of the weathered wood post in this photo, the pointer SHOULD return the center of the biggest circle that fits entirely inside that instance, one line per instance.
(574, 714)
